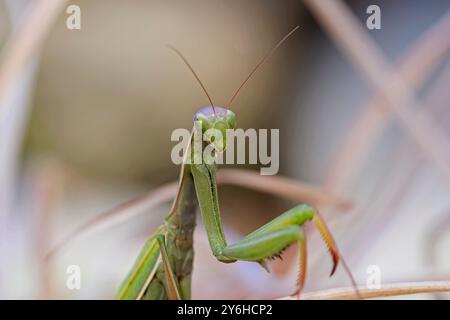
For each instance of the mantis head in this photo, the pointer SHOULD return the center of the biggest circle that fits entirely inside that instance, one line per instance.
(217, 118)
(220, 118)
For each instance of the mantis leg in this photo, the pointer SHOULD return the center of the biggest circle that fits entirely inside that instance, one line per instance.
(303, 265)
(266, 242)
(271, 239)
(173, 288)
(146, 265)
(153, 260)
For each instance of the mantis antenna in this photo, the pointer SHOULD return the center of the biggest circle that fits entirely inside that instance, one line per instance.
(264, 59)
(193, 72)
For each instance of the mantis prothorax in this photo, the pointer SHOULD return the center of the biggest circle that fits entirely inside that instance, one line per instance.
(164, 266)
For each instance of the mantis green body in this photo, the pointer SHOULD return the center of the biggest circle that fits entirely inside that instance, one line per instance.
(164, 266)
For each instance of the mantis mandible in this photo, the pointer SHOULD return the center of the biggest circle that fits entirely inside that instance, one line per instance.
(164, 266)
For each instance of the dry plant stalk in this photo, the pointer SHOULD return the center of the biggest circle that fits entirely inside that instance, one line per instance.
(280, 186)
(386, 290)
(394, 96)
(396, 92)
(363, 52)
(415, 67)
(391, 197)
(27, 41)
(283, 187)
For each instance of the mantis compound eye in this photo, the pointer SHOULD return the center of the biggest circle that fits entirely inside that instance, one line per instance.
(215, 121)
(215, 117)
(231, 119)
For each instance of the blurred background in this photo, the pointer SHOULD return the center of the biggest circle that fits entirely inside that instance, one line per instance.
(86, 117)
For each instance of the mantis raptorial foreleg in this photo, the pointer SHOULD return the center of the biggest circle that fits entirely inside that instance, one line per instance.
(264, 243)
(173, 288)
(154, 259)
(164, 266)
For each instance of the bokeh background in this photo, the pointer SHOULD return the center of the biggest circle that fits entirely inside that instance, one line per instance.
(86, 117)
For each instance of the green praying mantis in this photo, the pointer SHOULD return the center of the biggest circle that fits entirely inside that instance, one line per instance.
(164, 266)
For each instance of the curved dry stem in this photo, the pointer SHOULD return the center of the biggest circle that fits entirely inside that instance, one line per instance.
(386, 290)
(415, 66)
(349, 35)
(282, 187)
(28, 40)
(118, 214)
(407, 166)
(279, 186)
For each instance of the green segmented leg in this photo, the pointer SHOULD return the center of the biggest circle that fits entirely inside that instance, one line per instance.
(302, 254)
(267, 241)
(138, 279)
(173, 288)
(272, 238)
(164, 275)
(144, 268)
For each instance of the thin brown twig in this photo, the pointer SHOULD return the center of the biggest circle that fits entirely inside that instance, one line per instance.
(121, 213)
(386, 290)
(279, 186)
(363, 52)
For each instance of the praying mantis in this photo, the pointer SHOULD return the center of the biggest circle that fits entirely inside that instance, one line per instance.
(164, 266)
